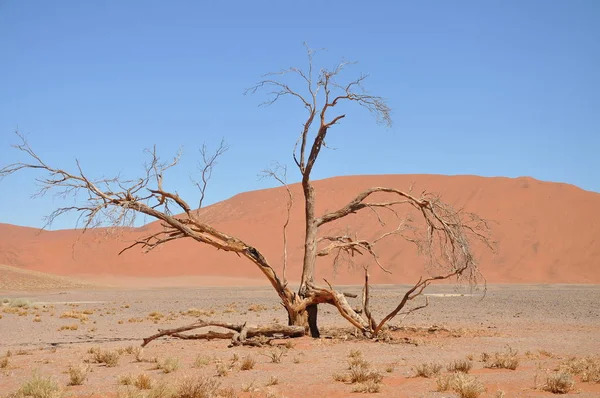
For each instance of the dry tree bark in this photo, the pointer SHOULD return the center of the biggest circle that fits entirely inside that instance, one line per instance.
(443, 235)
(239, 334)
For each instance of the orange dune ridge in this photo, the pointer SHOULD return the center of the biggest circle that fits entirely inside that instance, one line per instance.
(546, 232)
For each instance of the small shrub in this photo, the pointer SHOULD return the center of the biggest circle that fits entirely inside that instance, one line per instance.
(249, 387)
(168, 365)
(275, 355)
(75, 315)
(17, 302)
(257, 308)
(109, 358)
(222, 370)
(126, 380)
(228, 392)
(501, 360)
(559, 383)
(466, 386)
(273, 380)
(361, 374)
(4, 363)
(69, 327)
(78, 374)
(588, 368)
(427, 370)
(247, 363)
(369, 386)
(40, 387)
(355, 354)
(198, 313)
(460, 366)
(201, 361)
(197, 387)
(138, 353)
(143, 382)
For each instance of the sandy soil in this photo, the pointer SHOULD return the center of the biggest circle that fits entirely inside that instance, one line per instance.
(547, 324)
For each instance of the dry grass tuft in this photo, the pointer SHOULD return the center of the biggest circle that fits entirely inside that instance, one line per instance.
(4, 363)
(460, 365)
(501, 360)
(126, 380)
(257, 308)
(138, 353)
(197, 387)
(75, 315)
(369, 386)
(273, 381)
(222, 369)
(39, 387)
(587, 368)
(78, 374)
(559, 383)
(201, 361)
(359, 372)
(247, 363)
(109, 358)
(464, 385)
(69, 327)
(168, 365)
(428, 369)
(198, 313)
(275, 355)
(143, 382)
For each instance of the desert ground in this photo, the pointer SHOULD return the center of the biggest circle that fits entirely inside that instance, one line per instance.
(74, 313)
(541, 330)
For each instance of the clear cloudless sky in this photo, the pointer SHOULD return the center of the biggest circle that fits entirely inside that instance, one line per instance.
(492, 88)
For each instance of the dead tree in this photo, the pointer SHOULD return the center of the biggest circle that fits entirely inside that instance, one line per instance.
(443, 235)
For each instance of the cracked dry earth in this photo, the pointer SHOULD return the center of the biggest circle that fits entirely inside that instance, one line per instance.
(545, 324)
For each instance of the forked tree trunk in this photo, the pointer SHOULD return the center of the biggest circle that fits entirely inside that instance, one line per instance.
(309, 316)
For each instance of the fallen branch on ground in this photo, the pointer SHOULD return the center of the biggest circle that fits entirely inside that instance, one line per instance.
(239, 333)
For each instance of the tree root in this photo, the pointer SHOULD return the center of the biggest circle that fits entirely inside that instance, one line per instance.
(240, 334)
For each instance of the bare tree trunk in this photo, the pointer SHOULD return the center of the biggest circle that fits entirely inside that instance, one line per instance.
(310, 258)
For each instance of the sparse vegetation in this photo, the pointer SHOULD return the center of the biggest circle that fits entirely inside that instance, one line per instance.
(587, 368)
(247, 363)
(501, 360)
(559, 383)
(197, 387)
(69, 327)
(222, 369)
(39, 387)
(198, 313)
(143, 382)
(428, 369)
(109, 358)
(138, 353)
(75, 315)
(78, 374)
(201, 360)
(273, 380)
(126, 380)
(460, 365)
(464, 385)
(4, 363)
(275, 355)
(16, 302)
(168, 365)
(360, 373)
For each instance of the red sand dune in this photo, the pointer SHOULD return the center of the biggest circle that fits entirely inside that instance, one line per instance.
(547, 233)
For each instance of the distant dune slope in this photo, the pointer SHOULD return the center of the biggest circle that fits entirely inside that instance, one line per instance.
(17, 279)
(547, 233)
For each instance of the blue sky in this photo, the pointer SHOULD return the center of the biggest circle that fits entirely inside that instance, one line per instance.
(493, 88)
